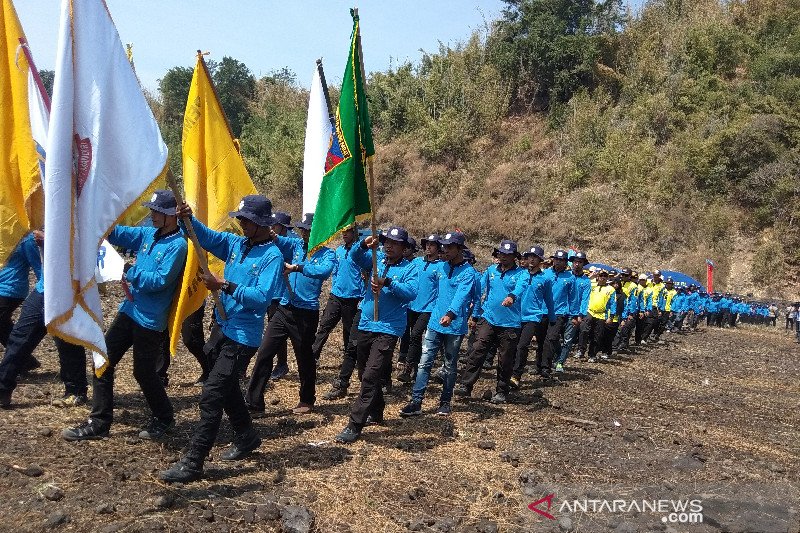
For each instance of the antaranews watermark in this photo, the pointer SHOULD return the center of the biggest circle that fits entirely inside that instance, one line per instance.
(673, 511)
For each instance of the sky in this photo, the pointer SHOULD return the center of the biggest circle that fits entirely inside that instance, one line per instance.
(267, 35)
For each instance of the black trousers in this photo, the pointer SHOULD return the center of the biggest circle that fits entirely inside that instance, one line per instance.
(293, 324)
(25, 336)
(650, 323)
(336, 309)
(623, 335)
(7, 308)
(221, 392)
(417, 324)
(507, 340)
(609, 334)
(552, 343)
(530, 330)
(147, 345)
(350, 358)
(711, 318)
(374, 354)
(592, 329)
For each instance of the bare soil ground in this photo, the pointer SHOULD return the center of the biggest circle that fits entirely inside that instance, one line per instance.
(712, 416)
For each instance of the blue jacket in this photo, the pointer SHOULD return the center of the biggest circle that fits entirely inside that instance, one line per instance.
(536, 291)
(455, 293)
(347, 281)
(258, 273)
(14, 275)
(498, 285)
(156, 274)
(579, 299)
(724, 303)
(306, 286)
(563, 287)
(393, 300)
(428, 284)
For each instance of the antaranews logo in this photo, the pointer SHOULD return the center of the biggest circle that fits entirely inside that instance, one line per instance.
(672, 511)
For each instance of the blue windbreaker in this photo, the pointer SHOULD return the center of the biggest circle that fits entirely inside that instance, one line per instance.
(498, 285)
(305, 286)
(579, 299)
(563, 287)
(536, 291)
(347, 280)
(156, 274)
(394, 299)
(14, 275)
(428, 280)
(455, 292)
(257, 271)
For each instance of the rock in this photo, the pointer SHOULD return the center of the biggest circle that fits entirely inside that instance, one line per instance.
(32, 470)
(296, 519)
(248, 516)
(631, 436)
(132, 440)
(56, 518)
(112, 528)
(625, 527)
(485, 444)
(53, 493)
(268, 511)
(485, 525)
(689, 462)
(448, 430)
(279, 476)
(565, 523)
(165, 501)
(274, 401)
(415, 494)
(104, 508)
(208, 515)
(416, 525)
(45, 432)
(444, 525)
(528, 477)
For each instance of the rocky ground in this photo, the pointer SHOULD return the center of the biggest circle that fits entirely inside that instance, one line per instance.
(712, 416)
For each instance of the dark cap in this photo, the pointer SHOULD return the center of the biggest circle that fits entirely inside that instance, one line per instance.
(506, 246)
(560, 254)
(581, 256)
(395, 233)
(538, 251)
(455, 237)
(163, 201)
(433, 237)
(669, 280)
(412, 243)
(657, 273)
(256, 208)
(468, 255)
(626, 271)
(305, 223)
(284, 219)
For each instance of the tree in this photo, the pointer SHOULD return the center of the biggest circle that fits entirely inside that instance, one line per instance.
(48, 77)
(236, 87)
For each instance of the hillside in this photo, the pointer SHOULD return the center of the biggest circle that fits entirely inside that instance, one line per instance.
(655, 139)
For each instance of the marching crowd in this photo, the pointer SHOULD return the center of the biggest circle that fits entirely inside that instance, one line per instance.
(384, 295)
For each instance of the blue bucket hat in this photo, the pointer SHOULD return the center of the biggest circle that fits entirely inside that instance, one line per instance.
(455, 237)
(256, 208)
(433, 237)
(305, 223)
(395, 233)
(560, 254)
(163, 201)
(538, 251)
(507, 246)
(284, 219)
(581, 256)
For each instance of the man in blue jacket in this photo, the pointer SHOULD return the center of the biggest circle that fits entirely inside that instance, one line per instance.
(503, 321)
(563, 289)
(396, 286)
(455, 282)
(141, 321)
(347, 290)
(296, 319)
(578, 308)
(537, 311)
(419, 310)
(14, 286)
(25, 336)
(252, 276)
(282, 228)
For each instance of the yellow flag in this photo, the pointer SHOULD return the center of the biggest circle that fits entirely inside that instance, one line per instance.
(20, 187)
(214, 182)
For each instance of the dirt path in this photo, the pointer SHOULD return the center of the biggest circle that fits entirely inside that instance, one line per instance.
(713, 416)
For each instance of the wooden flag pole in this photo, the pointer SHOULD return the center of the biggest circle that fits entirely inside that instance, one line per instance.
(374, 223)
(201, 256)
(331, 114)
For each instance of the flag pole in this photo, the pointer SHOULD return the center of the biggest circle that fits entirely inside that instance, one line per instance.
(35, 72)
(373, 223)
(201, 256)
(331, 114)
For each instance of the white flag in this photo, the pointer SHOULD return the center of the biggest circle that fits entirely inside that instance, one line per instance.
(110, 265)
(40, 117)
(104, 149)
(318, 141)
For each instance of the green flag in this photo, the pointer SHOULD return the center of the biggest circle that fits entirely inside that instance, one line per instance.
(344, 195)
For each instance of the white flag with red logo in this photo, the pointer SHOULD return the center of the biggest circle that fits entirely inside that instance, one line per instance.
(104, 149)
